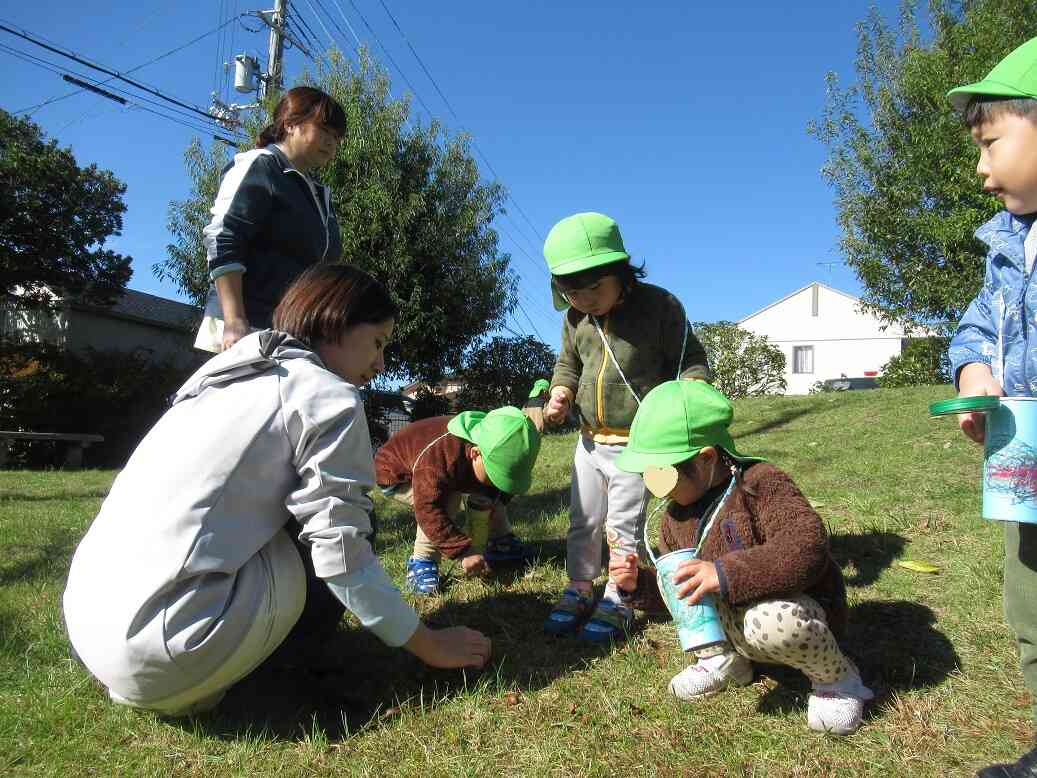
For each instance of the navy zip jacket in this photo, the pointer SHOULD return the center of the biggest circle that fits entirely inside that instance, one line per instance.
(268, 223)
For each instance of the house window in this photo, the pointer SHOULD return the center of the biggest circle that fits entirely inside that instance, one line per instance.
(802, 359)
(30, 325)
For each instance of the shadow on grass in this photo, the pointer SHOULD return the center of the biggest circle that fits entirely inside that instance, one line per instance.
(777, 421)
(49, 559)
(350, 681)
(534, 505)
(869, 553)
(896, 647)
(88, 494)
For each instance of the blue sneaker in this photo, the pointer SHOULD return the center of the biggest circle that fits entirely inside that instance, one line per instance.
(506, 548)
(422, 576)
(569, 612)
(610, 622)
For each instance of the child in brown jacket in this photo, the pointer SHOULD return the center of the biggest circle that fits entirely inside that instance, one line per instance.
(475, 461)
(763, 559)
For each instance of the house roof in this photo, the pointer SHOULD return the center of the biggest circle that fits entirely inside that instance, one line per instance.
(793, 294)
(149, 309)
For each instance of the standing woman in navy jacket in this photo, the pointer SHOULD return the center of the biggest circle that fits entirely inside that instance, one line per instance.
(271, 220)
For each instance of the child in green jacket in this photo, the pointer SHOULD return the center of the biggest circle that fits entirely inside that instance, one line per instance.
(620, 338)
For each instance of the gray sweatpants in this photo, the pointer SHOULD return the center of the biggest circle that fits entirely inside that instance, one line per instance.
(603, 499)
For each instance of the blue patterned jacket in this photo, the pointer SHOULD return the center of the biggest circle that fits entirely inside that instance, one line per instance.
(997, 326)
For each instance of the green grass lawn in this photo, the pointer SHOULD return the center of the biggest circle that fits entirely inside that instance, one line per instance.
(891, 484)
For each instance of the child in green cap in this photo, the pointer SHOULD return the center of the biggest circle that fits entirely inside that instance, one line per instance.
(763, 556)
(990, 352)
(476, 459)
(620, 338)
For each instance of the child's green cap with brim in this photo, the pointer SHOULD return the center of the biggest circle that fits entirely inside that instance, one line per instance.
(580, 242)
(1013, 77)
(675, 421)
(508, 441)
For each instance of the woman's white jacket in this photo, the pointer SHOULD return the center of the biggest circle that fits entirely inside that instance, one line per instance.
(261, 433)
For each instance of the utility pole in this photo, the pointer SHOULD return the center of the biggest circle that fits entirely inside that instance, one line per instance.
(278, 19)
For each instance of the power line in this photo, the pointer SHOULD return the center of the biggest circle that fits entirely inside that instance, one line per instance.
(181, 117)
(454, 114)
(107, 71)
(34, 108)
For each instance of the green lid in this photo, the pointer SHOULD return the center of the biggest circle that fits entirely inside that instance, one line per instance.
(508, 441)
(541, 386)
(580, 242)
(1014, 76)
(964, 405)
(675, 421)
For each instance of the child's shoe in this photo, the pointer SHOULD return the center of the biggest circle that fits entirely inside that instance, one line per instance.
(712, 675)
(506, 548)
(837, 707)
(609, 622)
(569, 612)
(422, 576)
(1025, 767)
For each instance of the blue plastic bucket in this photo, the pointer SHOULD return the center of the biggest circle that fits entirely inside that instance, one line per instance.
(698, 625)
(1009, 454)
(1010, 461)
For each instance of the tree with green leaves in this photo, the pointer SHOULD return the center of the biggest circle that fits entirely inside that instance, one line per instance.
(901, 162)
(413, 212)
(55, 218)
(744, 364)
(502, 371)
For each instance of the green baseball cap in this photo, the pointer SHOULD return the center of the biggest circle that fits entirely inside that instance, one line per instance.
(1014, 76)
(675, 421)
(580, 242)
(509, 443)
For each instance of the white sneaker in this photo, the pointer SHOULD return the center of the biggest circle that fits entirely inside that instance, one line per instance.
(709, 676)
(837, 707)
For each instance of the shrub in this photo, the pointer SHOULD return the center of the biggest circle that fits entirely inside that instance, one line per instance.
(117, 394)
(922, 361)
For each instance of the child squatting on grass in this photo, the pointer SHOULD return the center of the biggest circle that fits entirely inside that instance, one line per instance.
(191, 575)
(764, 560)
(990, 352)
(620, 338)
(476, 459)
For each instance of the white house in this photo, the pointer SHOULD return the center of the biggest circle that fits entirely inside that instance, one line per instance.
(824, 334)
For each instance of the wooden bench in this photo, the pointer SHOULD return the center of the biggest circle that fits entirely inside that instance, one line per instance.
(78, 443)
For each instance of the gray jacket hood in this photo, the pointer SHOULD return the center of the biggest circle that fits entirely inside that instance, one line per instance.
(253, 354)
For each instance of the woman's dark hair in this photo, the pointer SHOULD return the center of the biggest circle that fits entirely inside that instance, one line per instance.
(986, 108)
(627, 273)
(326, 300)
(299, 105)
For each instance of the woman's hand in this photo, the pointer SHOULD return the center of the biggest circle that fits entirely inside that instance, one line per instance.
(696, 578)
(475, 565)
(623, 571)
(557, 409)
(233, 331)
(449, 648)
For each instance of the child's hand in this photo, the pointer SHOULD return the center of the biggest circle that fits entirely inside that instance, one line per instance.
(623, 571)
(699, 578)
(450, 647)
(475, 565)
(557, 409)
(976, 380)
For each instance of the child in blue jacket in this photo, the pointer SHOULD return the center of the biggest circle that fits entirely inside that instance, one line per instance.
(990, 353)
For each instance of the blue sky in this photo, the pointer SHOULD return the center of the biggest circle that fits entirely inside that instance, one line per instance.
(683, 121)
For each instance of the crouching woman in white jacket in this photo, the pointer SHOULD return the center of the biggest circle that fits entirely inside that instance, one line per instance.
(188, 578)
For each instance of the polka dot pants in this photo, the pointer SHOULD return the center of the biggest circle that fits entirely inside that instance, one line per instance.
(789, 632)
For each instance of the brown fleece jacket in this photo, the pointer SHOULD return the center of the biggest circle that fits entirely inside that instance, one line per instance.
(766, 542)
(443, 469)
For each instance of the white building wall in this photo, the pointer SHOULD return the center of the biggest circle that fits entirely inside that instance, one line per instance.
(845, 341)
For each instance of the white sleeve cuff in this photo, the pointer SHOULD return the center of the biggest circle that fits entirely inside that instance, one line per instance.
(222, 270)
(372, 598)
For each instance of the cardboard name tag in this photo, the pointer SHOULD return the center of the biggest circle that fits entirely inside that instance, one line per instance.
(660, 480)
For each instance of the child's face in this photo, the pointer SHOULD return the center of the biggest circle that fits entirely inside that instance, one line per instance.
(597, 299)
(695, 477)
(1008, 160)
(479, 466)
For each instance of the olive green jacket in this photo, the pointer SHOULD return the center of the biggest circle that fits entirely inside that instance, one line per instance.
(645, 331)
